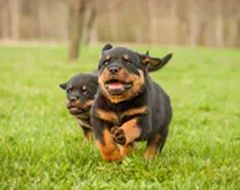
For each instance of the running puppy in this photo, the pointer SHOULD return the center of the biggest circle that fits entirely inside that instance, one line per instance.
(129, 106)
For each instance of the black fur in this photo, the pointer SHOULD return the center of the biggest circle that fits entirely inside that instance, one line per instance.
(154, 121)
(80, 90)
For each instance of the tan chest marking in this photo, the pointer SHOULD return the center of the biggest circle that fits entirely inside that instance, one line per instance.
(116, 117)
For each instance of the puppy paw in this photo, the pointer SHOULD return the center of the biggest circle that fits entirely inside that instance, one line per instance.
(118, 135)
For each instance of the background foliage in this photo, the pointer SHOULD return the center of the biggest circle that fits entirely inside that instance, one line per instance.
(182, 22)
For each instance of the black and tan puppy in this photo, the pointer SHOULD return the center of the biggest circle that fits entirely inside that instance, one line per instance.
(128, 106)
(81, 90)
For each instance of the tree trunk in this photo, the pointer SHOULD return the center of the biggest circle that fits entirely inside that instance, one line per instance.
(137, 27)
(193, 24)
(219, 25)
(41, 18)
(90, 19)
(113, 20)
(174, 21)
(76, 26)
(5, 23)
(153, 20)
(14, 11)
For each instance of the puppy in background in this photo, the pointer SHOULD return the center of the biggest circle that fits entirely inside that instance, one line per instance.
(80, 92)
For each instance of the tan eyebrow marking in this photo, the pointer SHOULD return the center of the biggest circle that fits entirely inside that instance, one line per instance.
(108, 57)
(125, 57)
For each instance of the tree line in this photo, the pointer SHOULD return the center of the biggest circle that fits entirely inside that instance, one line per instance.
(214, 23)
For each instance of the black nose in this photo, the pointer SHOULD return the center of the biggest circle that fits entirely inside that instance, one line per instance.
(73, 98)
(114, 69)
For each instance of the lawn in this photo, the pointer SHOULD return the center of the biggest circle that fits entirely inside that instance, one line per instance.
(42, 147)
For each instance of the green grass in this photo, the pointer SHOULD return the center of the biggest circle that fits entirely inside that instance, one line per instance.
(42, 147)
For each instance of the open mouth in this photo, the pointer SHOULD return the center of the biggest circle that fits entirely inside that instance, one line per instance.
(117, 87)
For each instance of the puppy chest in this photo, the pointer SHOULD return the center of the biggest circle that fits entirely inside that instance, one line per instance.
(118, 118)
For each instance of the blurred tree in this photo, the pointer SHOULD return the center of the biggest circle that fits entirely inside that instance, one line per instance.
(4, 28)
(186, 22)
(9, 18)
(90, 22)
(76, 26)
(41, 18)
(14, 11)
(153, 20)
(194, 22)
(219, 24)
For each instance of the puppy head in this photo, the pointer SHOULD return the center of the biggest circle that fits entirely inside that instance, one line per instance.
(123, 72)
(80, 91)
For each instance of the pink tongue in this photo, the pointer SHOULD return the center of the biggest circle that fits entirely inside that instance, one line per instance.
(115, 86)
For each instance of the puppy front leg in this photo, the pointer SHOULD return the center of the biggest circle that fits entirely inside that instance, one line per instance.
(88, 133)
(106, 145)
(127, 133)
(87, 129)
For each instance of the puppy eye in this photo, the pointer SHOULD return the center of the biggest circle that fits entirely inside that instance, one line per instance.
(84, 91)
(69, 89)
(105, 63)
(127, 62)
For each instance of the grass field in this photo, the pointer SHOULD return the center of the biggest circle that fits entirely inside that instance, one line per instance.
(42, 147)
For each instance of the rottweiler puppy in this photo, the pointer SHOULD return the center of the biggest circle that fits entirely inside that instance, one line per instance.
(128, 106)
(81, 89)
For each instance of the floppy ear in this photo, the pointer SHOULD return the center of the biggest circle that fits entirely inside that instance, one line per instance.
(106, 47)
(63, 86)
(153, 63)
